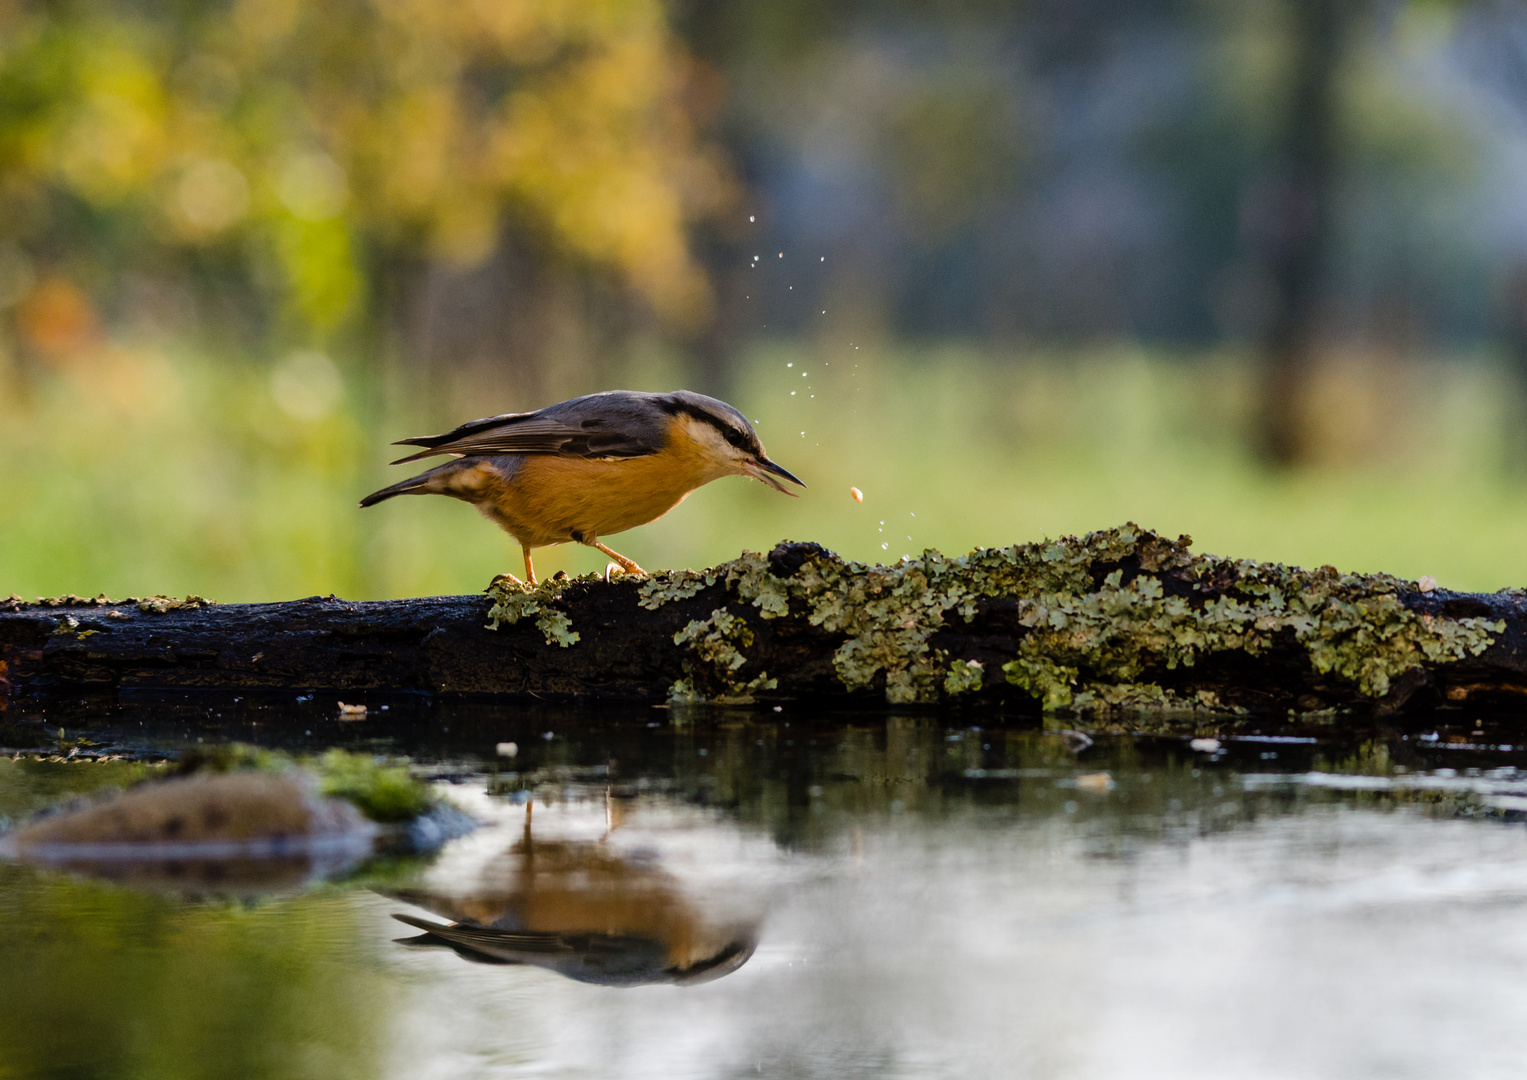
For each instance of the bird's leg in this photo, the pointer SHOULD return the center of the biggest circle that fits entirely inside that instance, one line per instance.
(530, 573)
(625, 564)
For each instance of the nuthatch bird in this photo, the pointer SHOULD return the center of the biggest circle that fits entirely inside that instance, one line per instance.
(591, 466)
(582, 910)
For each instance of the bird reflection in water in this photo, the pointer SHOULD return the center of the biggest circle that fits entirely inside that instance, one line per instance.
(585, 910)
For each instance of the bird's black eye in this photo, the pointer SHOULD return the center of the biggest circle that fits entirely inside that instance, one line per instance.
(736, 438)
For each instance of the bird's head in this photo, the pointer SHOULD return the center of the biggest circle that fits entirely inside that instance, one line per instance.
(724, 435)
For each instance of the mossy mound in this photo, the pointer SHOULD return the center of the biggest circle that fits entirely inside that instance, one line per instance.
(384, 791)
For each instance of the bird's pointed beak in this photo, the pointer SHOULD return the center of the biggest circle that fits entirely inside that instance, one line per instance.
(763, 467)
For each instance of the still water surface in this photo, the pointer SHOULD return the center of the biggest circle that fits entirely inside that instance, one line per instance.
(751, 896)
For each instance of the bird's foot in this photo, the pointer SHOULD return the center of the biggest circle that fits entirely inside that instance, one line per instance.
(625, 564)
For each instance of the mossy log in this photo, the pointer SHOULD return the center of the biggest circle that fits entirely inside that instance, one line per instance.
(1117, 620)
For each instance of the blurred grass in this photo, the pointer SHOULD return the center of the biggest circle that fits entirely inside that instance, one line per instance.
(140, 470)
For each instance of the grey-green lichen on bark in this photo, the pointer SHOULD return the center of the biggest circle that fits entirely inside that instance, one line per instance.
(717, 643)
(1088, 644)
(1096, 615)
(965, 677)
(663, 588)
(513, 600)
(155, 604)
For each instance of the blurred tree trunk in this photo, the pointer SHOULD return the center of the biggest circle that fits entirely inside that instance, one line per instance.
(1296, 223)
(520, 330)
(1515, 330)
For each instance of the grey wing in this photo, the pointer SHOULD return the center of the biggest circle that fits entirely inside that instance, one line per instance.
(491, 941)
(618, 423)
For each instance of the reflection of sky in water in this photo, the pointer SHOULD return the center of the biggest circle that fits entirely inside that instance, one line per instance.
(988, 916)
(1337, 943)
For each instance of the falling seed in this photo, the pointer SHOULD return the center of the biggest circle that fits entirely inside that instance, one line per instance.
(792, 393)
(507, 749)
(781, 254)
(750, 217)
(790, 364)
(822, 259)
(857, 494)
(884, 546)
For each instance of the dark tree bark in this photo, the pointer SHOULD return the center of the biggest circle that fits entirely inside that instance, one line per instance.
(1145, 624)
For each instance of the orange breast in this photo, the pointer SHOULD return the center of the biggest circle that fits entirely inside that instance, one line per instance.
(553, 499)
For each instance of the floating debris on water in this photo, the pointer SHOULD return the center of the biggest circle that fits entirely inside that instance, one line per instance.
(507, 749)
(1205, 746)
(352, 712)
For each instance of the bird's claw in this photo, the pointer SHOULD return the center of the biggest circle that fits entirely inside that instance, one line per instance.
(613, 568)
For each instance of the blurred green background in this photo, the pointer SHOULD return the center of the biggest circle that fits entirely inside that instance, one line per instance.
(1254, 270)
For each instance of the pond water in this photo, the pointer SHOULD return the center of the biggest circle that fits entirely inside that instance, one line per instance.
(772, 894)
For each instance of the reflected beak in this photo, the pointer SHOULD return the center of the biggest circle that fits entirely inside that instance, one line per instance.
(763, 467)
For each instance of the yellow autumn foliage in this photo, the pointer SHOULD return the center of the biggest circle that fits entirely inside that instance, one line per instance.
(307, 137)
